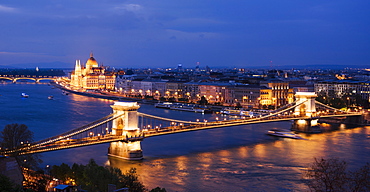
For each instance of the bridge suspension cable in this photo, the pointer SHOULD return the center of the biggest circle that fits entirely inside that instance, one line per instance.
(284, 107)
(279, 112)
(167, 119)
(77, 130)
(329, 107)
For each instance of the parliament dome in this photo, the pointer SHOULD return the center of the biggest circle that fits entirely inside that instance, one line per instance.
(91, 62)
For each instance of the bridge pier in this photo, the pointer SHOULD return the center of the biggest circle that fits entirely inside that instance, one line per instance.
(306, 125)
(127, 127)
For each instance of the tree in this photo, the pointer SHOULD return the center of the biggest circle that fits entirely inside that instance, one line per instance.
(361, 179)
(62, 172)
(158, 189)
(203, 101)
(238, 105)
(18, 135)
(338, 103)
(331, 175)
(327, 175)
(172, 99)
(131, 180)
(6, 184)
(183, 99)
(93, 177)
(15, 135)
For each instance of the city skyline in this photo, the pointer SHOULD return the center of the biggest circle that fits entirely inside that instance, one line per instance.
(166, 33)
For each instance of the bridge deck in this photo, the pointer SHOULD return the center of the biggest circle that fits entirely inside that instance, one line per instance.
(93, 140)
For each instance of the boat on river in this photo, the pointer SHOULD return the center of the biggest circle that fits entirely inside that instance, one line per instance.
(187, 108)
(165, 105)
(283, 133)
(230, 111)
(183, 107)
(24, 95)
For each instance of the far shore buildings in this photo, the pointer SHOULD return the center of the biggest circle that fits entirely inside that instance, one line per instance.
(92, 76)
(269, 93)
(343, 88)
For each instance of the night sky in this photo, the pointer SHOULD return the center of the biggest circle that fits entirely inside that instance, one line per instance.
(164, 33)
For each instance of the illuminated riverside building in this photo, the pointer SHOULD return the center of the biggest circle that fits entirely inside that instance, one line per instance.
(343, 88)
(174, 89)
(228, 94)
(270, 93)
(248, 96)
(281, 93)
(192, 92)
(92, 76)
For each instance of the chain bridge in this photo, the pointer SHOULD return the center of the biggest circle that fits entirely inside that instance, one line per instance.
(125, 128)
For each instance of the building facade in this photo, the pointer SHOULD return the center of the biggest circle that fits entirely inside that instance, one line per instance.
(343, 88)
(92, 76)
(281, 93)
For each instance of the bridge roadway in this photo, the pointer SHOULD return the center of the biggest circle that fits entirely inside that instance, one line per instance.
(107, 138)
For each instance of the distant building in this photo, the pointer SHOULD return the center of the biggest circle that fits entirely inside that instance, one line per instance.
(179, 67)
(248, 96)
(192, 92)
(342, 88)
(281, 93)
(213, 92)
(92, 76)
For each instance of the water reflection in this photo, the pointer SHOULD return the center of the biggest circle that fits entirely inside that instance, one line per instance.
(240, 158)
(276, 164)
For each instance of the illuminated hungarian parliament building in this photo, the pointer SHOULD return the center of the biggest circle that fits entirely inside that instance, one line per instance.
(92, 76)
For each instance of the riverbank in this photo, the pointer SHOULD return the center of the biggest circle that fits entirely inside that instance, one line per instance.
(99, 95)
(119, 97)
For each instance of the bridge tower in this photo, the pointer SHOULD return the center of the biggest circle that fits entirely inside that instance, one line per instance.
(307, 110)
(126, 126)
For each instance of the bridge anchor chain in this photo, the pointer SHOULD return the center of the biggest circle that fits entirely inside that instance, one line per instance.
(126, 126)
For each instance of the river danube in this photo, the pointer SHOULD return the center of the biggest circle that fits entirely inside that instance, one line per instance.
(240, 158)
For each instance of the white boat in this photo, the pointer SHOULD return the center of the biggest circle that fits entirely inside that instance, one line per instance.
(51, 97)
(24, 95)
(231, 111)
(248, 113)
(165, 105)
(187, 108)
(283, 133)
